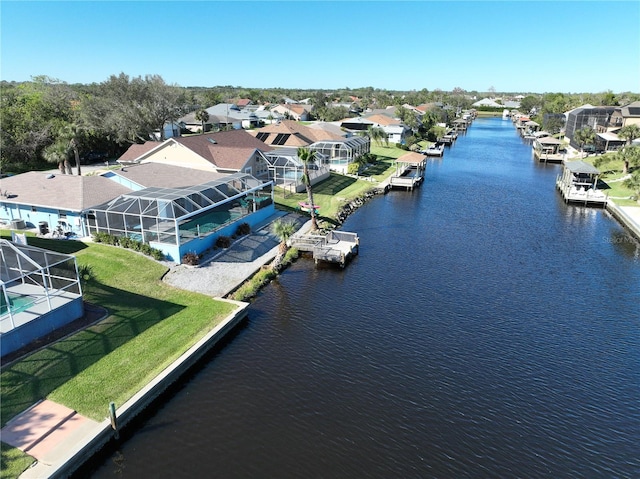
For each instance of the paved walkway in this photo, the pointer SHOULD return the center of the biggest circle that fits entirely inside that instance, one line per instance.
(225, 270)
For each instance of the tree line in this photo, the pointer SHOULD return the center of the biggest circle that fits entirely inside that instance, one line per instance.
(47, 121)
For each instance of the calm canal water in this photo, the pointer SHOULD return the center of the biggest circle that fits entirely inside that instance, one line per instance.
(485, 330)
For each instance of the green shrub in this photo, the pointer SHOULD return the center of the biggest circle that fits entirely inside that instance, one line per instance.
(157, 254)
(192, 259)
(243, 229)
(353, 169)
(223, 242)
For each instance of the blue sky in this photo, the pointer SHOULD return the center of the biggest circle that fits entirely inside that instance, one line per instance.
(541, 46)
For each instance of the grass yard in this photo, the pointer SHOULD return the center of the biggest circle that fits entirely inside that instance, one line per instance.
(332, 193)
(150, 324)
(329, 194)
(611, 173)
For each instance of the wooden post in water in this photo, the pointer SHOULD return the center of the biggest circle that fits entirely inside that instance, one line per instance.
(114, 419)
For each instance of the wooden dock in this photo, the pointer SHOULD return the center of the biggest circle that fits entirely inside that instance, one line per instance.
(334, 247)
(410, 169)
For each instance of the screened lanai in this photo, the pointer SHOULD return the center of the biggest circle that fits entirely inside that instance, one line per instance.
(175, 216)
(286, 168)
(34, 282)
(342, 152)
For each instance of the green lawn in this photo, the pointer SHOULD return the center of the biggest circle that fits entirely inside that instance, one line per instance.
(611, 171)
(149, 325)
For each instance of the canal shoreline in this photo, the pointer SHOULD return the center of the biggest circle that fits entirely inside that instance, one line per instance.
(630, 224)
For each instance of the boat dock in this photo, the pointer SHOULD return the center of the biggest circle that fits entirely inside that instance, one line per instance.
(334, 247)
(578, 183)
(434, 150)
(410, 169)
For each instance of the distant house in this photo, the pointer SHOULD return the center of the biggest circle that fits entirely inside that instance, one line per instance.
(487, 102)
(298, 111)
(291, 133)
(396, 131)
(221, 116)
(222, 152)
(630, 114)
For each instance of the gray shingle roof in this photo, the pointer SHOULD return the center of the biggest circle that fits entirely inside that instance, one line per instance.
(64, 192)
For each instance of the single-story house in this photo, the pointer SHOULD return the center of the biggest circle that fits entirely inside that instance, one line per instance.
(298, 112)
(53, 202)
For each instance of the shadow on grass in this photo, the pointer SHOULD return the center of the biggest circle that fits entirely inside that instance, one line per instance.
(333, 185)
(377, 169)
(35, 376)
(64, 246)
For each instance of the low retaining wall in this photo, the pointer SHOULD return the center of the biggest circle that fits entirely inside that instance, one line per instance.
(624, 219)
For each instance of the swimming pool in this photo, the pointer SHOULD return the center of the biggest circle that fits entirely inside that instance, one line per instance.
(17, 303)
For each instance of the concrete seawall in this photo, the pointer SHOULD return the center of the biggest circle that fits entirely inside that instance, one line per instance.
(624, 219)
(91, 439)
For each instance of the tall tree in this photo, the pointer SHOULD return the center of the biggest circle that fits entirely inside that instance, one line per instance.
(129, 110)
(630, 156)
(584, 136)
(72, 135)
(283, 230)
(306, 156)
(202, 116)
(629, 133)
(633, 183)
(58, 153)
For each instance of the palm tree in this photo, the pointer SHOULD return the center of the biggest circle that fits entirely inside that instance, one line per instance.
(633, 183)
(58, 153)
(584, 136)
(283, 230)
(71, 133)
(630, 156)
(306, 156)
(629, 133)
(202, 116)
(377, 134)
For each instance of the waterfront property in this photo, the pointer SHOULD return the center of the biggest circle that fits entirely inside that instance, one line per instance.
(410, 169)
(578, 183)
(40, 292)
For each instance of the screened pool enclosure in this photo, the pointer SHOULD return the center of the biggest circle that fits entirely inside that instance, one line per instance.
(167, 218)
(40, 292)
